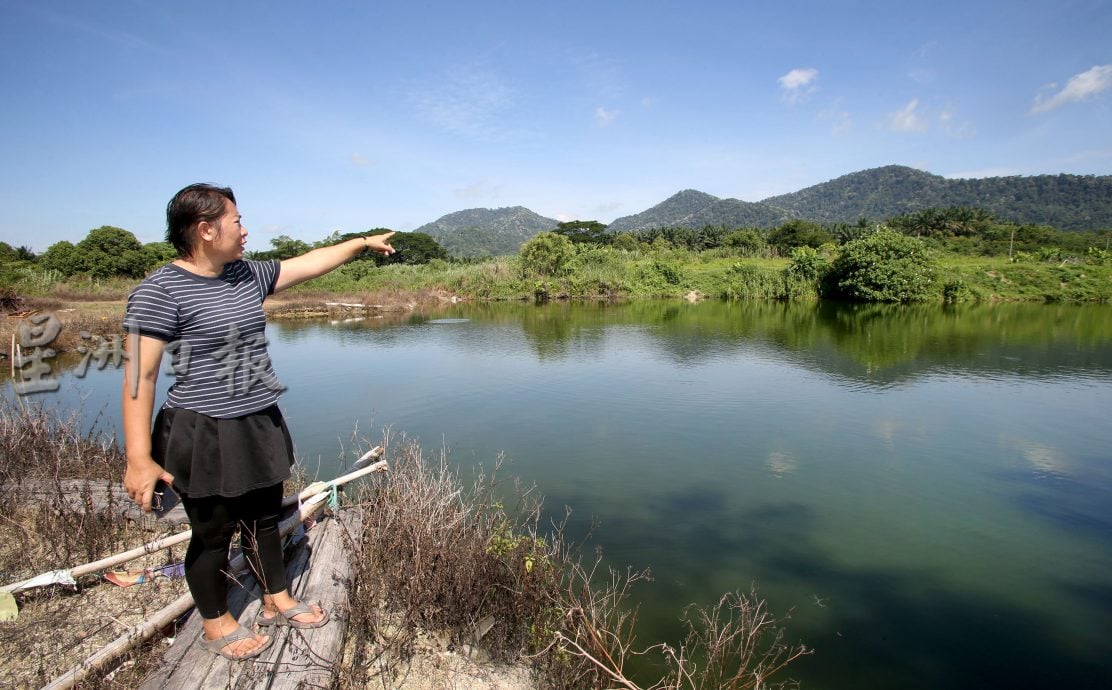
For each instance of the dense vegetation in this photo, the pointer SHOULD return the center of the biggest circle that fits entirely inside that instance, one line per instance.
(952, 254)
(1068, 202)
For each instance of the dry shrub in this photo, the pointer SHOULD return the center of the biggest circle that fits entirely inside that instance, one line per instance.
(52, 498)
(55, 514)
(449, 557)
(438, 555)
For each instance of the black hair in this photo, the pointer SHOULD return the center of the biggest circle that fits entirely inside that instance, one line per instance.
(188, 208)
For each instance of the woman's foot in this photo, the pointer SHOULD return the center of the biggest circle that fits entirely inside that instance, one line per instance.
(299, 615)
(226, 637)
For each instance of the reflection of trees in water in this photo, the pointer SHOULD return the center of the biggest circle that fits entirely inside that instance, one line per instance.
(884, 344)
(864, 344)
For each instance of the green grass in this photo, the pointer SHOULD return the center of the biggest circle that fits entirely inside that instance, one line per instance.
(604, 273)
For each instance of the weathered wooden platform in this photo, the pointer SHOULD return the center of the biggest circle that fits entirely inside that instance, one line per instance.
(319, 571)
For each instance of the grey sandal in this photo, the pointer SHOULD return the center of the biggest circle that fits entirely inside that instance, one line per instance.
(286, 618)
(241, 633)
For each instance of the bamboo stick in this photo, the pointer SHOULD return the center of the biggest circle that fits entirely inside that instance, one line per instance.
(151, 547)
(147, 629)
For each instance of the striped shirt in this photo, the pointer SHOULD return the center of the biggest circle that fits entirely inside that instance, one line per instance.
(215, 332)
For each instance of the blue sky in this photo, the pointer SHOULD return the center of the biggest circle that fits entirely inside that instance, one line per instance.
(351, 115)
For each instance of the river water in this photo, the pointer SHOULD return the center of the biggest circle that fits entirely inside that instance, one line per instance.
(928, 490)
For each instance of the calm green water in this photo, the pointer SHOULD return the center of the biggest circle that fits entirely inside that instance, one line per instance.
(929, 490)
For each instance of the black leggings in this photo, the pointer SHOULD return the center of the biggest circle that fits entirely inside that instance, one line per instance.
(214, 520)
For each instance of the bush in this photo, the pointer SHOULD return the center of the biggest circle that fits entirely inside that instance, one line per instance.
(546, 254)
(747, 242)
(885, 267)
(808, 263)
(749, 281)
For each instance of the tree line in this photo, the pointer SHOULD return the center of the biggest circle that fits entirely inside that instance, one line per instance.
(961, 230)
(111, 252)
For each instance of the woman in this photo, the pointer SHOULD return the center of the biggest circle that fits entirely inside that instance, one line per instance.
(220, 439)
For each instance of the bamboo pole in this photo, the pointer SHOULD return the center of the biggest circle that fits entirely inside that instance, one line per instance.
(147, 629)
(150, 547)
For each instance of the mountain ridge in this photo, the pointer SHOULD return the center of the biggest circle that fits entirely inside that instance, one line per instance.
(1063, 201)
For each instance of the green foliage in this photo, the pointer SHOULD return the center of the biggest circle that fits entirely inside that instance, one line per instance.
(546, 254)
(160, 252)
(885, 267)
(955, 291)
(799, 233)
(746, 242)
(660, 277)
(584, 232)
(746, 280)
(625, 241)
(947, 222)
(282, 247)
(808, 264)
(413, 248)
(106, 252)
(1068, 202)
(62, 257)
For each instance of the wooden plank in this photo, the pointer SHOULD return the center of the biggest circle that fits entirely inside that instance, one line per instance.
(309, 656)
(318, 572)
(103, 496)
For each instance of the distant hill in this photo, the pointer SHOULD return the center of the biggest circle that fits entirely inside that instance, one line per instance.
(694, 209)
(1066, 202)
(668, 213)
(733, 213)
(478, 232)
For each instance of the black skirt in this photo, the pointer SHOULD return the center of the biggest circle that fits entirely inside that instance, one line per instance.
(222, 457)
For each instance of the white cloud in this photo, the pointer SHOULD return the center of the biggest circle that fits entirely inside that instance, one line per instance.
(465, 101)
(838, 117)
(1080, 87)
(798, 84)
(952, 126)
(361, 161)
(907, 118)
(604, 117)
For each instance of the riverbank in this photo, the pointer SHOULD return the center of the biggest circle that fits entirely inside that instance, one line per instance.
(86, 323)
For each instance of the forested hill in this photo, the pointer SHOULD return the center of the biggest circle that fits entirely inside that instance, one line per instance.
(478, 232)
(1065, 202)
(694, 209)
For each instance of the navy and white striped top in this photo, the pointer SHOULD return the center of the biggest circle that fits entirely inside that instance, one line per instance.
(215, 332)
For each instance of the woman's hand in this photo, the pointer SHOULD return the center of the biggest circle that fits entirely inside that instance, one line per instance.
(324, 259)
(139, 480)
(380, 243)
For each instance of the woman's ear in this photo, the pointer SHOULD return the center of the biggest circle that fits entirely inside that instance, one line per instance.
(206, 231)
